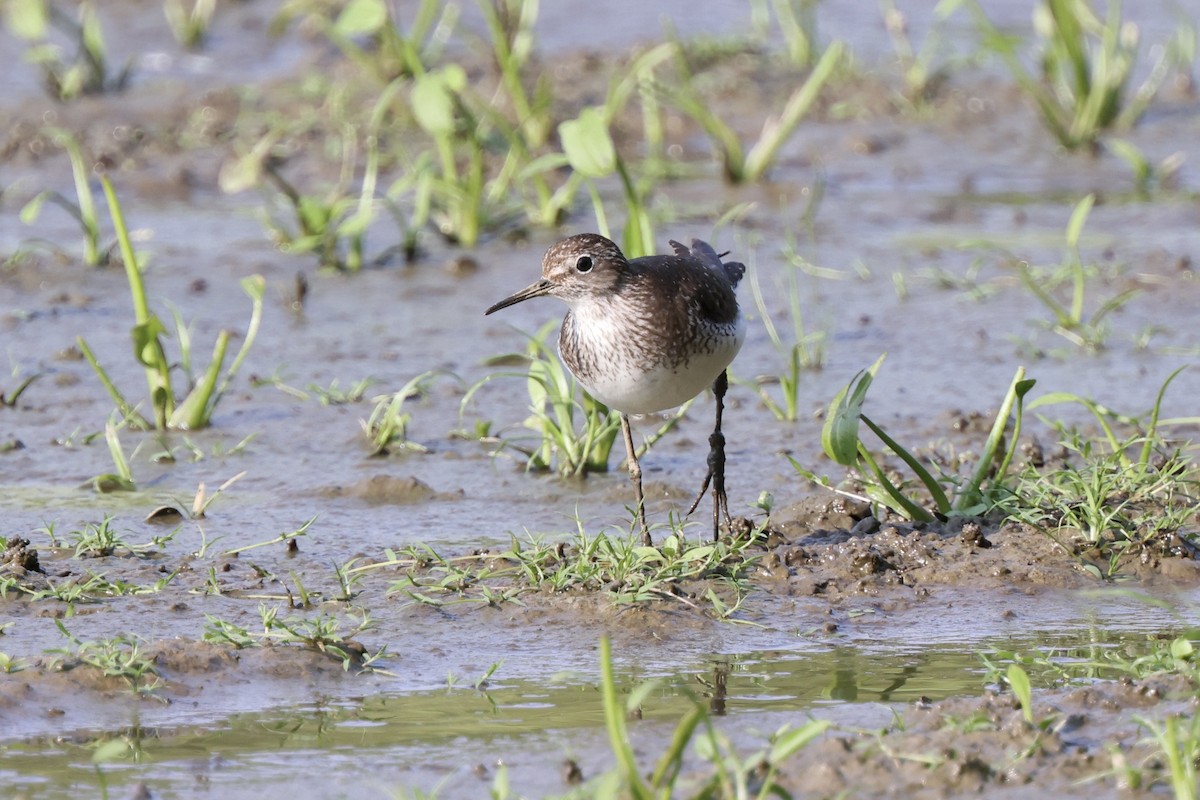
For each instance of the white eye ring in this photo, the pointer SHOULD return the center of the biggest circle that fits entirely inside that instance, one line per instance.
(583, 264)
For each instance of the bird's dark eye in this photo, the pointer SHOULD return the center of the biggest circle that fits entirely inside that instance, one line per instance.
(584, 264)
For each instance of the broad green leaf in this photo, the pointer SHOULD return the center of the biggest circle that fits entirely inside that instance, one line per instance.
(1182, 649)
(1018, 679)
(361, 17)
(839, 435)
(588, 144)
(27, 19)
(112, 750)
(147, 348)
(434, 102)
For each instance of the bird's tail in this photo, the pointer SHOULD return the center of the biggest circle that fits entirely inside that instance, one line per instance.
(703, 251)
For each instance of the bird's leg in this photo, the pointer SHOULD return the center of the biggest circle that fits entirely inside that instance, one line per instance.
(635, 477)
(716, 463)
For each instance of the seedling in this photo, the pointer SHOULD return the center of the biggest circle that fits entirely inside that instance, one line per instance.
(752, 776)
(740, 166)
(1119, 499)
(619, 565)
(922, 77)
(65, 78)
(803, 351)
(202, 499)
(462, 201)
(387, 428)
(1178, 740)
(10, 665)
(1018, 681)
(118, 657)
(332, 226)
(575, 433)
(195, 409)
(83, 209)
(96, 540)
(386, 51)
(1069, 320)
(122, 479)
(1080, 318)
(589, 149)
(190, 23)
(1086, 65)
(323, 633)
(1147, 177)
(8, 399)
(510, 25)
(973, 495)
(796, 21)
(286, 536)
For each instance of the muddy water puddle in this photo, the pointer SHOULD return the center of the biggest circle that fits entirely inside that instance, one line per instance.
(911, 251)
(439, 717)
(455, 738)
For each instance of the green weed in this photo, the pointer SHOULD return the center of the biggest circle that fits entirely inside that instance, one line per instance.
(735, 776)
(462, 200)
(1069, 320)
(574, 432)
(1086, 65)
(10, 665)
(1121, 496)
(122, 479)
(1148, 177)
(387, 427)
(970, 495)
(620, 566)
(739, 165)
(590, 151)
(1178, 740)
(118, 657)
(190, 23)
(802, 351)
(333, 226)
(287, 537)
(324, 633)
(368, 34)
(9, 398)
(510, 25)
(65, 77)
(194, 409)
(83, 209)
(796, 21)
(923, 77)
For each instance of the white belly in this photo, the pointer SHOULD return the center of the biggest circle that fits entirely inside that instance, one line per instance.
(633, 388)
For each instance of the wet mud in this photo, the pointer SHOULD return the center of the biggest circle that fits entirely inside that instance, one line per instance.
(846, 612)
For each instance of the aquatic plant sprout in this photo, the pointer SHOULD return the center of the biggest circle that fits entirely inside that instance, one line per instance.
(195, 408)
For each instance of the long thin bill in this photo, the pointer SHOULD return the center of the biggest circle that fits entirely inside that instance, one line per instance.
(538, 289)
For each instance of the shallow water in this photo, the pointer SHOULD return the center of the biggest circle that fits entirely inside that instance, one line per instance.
(893, 213)
(454, 738)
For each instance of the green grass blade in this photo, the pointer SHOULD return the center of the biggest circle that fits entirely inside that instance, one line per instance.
(1017, 389)
(762, 154)
(123, 405)
(839, 434)
(614, 721)
(892, 496)
(196, 408)
(1152, 428)
(935, 490)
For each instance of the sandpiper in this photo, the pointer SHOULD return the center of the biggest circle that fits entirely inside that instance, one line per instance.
(646, 335)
